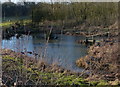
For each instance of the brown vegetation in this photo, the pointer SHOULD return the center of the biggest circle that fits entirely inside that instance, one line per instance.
(103, 59)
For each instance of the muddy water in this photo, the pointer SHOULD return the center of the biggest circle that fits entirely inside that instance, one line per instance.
(63, 51)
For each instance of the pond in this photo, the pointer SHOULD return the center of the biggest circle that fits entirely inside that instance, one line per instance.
(63, 51)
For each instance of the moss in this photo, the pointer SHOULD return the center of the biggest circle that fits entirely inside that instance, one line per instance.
(103, 82)
(11, 64)
(93, 83)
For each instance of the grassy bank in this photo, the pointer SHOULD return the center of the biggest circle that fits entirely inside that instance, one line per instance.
(19, 69)
(10, 23)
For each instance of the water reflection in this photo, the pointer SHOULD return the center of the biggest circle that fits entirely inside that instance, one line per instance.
(64, 51)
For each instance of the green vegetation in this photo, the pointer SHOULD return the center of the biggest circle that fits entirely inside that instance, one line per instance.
(7, 24)
(10, 9)
(33, 73)
(65, 14)
(46, 77)
(98, 17)
(90, 14)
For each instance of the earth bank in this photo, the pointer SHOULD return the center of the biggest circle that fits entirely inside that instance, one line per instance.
(103, 60)
(19, 69)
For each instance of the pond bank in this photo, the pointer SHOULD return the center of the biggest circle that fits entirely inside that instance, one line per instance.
(103, 59)
(27, 27)
(17, 64)
(19, 69)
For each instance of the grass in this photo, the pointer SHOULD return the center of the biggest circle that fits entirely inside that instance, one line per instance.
(11, 64)
(7, 24)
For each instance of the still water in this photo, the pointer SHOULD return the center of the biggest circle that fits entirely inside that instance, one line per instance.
(63, 51)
